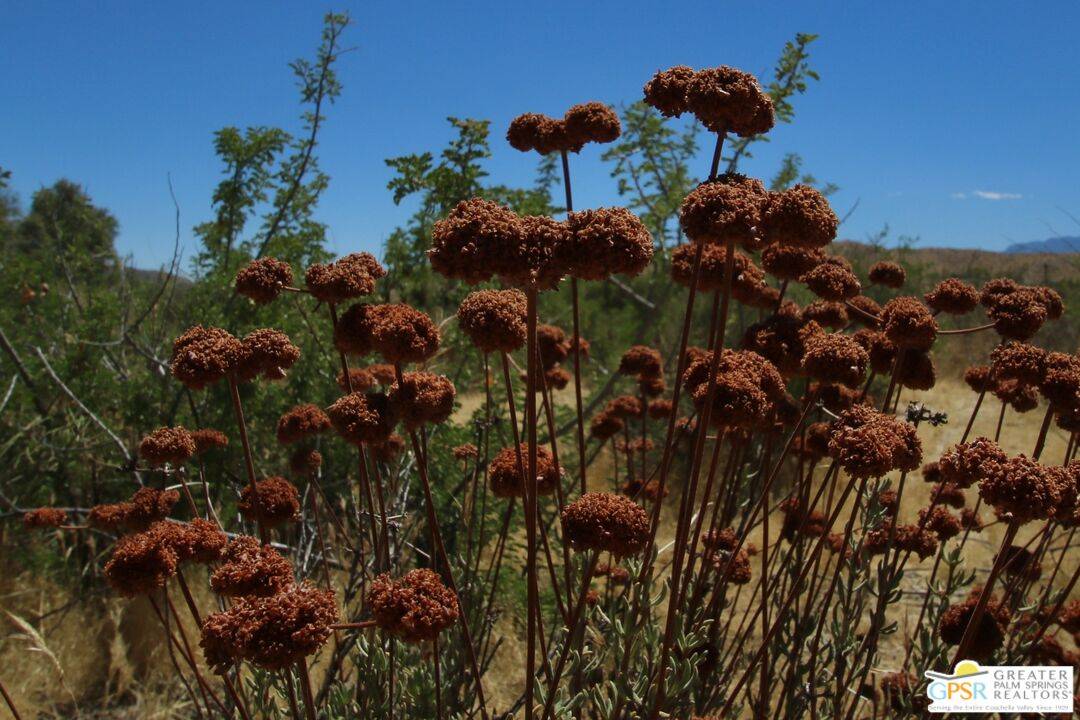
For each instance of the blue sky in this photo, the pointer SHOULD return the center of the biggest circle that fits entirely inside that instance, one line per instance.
(951, 121)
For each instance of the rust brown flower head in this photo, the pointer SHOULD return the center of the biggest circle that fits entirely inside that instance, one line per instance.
(272, 633)
(887, 274)
(208, 439)
(494, 320)
(667, 89)
(199, 541)
(827, 314)
(1019, 396)
(1017, 315)
(747, 389)
(660, 409)
(832, 280)
(359, 380)
(747, 279)
(732, 566)
(867, 443)
(881, 350)
(1020, 562)
(953, 297)
(270, 502)
(45, 517)
(789, 262)
(641, 360)
(250, 568)
(389, 449)
(557, 378)
(552, 345)
(725, 99)
(363, 417)
(909, 324)
(606, 522)
(779, 340)
(422, 398)
(605, 242)
(979, 379)
(592, 122)
(464, 243)
(173, 445)
(941, 522)
(1018, 361)
(353, 331)
(301, 422)
(992, 290)
(798, 217)
(907, 538)
(970, 520)
(402, 334)
(140, 564)
(625, 406)
(917, 371)
(971, 462)
(835, 358)
(728, 208)
(799, 521)
(949, 494)
(305, 461)
(263, 279)
(204, 355)
(268, 353)
(867, 312)
(987, 637)
(535, 131)
(415, 607)
(349, 277)
(537, 255)
(887, 499)
(1023, 490)
(1052, 301)
(111, 517)
(605, 425)
(505, 476)
(468, 451)
(838, 398)
(1060, 383)
(147, 506)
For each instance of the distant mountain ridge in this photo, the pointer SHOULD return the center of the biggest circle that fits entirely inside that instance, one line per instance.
(1060, 244)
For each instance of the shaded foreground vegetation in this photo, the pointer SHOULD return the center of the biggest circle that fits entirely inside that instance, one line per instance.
(316, 498)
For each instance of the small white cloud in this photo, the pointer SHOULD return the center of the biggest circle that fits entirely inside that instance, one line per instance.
(991, 195)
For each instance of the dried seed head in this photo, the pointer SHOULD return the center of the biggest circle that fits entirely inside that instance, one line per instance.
(979, 379)
(987, 637)
(301, 422)
(952, 296)
(263, 279)
(798, 217)
(725, 99)
(464, 243)
(868, 312)
(728, 208)
(592, 122)
(46, 517)
(747, 279)
(832, 315)
(605, 425)
(1020, 562)
(552, 345)
(402, 334)
(835, 358)
(208, 439)
(505, 474)
(363, 417)
(641, 360)
(909, 324)
(111, 517)
(270, 502)
(352, 332)
(266, 352)
(780, 340)
(199, 541)
(140, 564)
(605, 242)
(536, 258)
(272, 633)
(1060, 383)
(789, 262)
(468, 451)
(422, 398)
(941, 522)
(971, 462)
(202, 356)
(147, 506)
(359, 380)
(887, 274)
(949, 494)
(494, 320)
(389, 449)
(347, 278)
(667, 89)
(1018, 361)
(606, 522)
(1023, 490)
(250, 568)
(832, 280)
(1020, 396)
(415, 607)
(867, 443)
(1017, 315)
(917, 371)
(173, 445)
